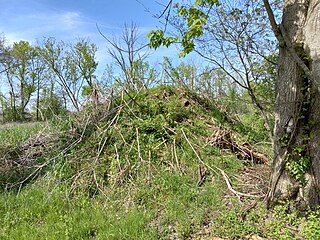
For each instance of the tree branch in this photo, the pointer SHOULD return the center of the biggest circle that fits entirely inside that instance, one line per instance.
(280, 33)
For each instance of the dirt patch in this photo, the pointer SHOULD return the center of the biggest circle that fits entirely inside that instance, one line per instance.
(255, 179)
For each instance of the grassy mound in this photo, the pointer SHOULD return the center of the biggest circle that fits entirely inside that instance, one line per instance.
(139, 166)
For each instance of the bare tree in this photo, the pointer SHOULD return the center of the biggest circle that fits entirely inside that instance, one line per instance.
(127, 52)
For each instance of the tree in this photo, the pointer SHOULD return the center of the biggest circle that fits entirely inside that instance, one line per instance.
(83, 55)
(22, 53)
(2, 51)
(23, 71)
(182, 75)
(3, 105)
(10, 113)
(128, 54)
(53, 53)
(39, 75)
(296, 168)
(50, 102)
(73, 65)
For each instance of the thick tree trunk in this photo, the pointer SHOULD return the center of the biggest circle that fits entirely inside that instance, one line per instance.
(312, 47)
(296, 167)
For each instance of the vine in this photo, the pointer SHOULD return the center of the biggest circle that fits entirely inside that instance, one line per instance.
(298, 160)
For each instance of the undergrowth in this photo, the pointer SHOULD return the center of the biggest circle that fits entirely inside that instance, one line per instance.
(137, 167)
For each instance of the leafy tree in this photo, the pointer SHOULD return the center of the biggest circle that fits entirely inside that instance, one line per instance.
(3, 50)
(22, 69)
(50, 103)
(73, 65)
(10, 113)
(143, 73)
(22, 53)
(62, 66)
(182, 75)
(4, 54)
(83, 56)
(40, 75)
(3, 104)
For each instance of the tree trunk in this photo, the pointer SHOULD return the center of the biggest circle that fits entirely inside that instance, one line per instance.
(38, 100)
(296, 166)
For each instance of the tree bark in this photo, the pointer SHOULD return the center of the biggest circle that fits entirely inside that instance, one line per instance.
(38, 100)
(296, 169)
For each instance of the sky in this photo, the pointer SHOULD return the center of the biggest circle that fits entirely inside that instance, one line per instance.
(34, 19)
(69, 20)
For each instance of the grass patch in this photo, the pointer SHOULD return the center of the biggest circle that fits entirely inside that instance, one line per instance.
(15, 133)
(39, 211)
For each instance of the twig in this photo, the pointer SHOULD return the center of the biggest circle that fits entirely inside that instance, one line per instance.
(139, 153)
(156, 147)
(130, 110)
(225, 176)
(40, 167)
(149, 166)
(114, 119)
(295, 232)
(175, 154)
(84, 129)
(227, 180)
(95, 163)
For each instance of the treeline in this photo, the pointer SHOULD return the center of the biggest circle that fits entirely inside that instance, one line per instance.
(53, 77)
(45, 79)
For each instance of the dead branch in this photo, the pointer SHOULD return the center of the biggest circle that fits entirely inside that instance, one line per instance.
(224, 175)
(222, 139)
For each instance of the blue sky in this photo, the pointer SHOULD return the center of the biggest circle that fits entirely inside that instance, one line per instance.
(70, 20)
(33, 19)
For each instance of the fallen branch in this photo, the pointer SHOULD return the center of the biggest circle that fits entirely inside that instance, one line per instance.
(222, 139)
(224, 175)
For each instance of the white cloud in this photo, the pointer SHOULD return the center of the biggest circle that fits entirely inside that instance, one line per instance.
(32, 22)
(35, 26)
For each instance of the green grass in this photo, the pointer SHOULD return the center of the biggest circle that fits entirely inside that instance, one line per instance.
(170, 202)
(15, 133)
(42, 213)
(45, 211)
